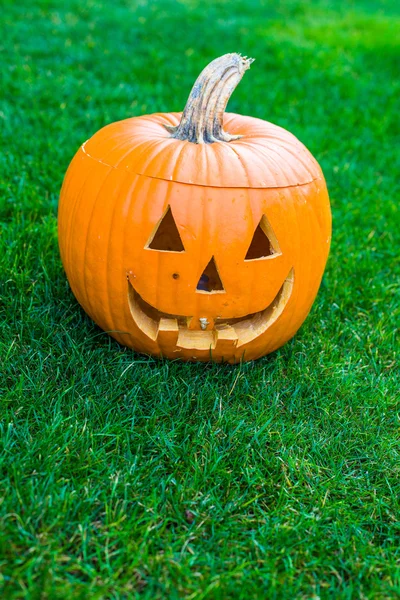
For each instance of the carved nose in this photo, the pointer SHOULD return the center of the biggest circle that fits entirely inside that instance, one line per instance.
(210, 281)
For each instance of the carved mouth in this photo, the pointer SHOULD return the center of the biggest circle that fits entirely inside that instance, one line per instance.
(232, 333)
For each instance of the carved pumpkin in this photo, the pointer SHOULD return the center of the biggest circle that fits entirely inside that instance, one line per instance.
(197, 235)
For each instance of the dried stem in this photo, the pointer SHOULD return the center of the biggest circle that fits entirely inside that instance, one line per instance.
(204, 111)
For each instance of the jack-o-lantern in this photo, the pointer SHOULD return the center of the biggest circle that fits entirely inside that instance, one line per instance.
(197, 235)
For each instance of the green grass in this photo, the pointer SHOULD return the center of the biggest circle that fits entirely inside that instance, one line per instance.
(126, 477)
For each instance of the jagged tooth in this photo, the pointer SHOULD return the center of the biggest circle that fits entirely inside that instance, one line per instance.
(227, 338)
(168, 331)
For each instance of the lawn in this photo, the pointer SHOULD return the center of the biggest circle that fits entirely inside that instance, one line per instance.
(127, 477)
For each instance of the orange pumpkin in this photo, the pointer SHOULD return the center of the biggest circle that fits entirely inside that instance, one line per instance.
(197, 235)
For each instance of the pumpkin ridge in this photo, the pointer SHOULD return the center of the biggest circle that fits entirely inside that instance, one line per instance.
(278, 156)
(86, 240)
(108, 259)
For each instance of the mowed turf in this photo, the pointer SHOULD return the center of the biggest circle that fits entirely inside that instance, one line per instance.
(126, 477)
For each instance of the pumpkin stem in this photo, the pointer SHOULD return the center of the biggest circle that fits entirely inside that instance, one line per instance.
(203, 116)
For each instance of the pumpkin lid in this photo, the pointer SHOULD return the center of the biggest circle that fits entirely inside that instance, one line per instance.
(266, 156)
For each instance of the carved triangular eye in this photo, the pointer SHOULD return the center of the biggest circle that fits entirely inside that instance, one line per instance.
(210, 281)
(166, 235)
(264, 242)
